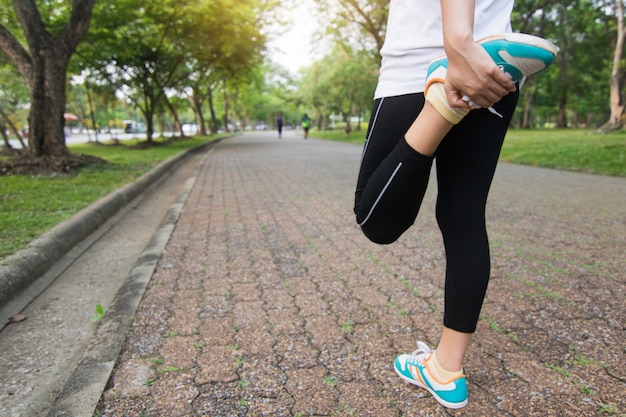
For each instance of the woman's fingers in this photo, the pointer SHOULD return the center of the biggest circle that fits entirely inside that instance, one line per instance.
(472, 73)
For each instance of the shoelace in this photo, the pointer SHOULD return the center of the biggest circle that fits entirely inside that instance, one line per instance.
(474, 106)
(421, 353)
(491, 109)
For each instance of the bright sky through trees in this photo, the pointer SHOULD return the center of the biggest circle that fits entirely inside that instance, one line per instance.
(293, 46)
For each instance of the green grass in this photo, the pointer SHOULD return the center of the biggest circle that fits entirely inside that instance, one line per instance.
(29, 206)
(566, 149)
(338, 135)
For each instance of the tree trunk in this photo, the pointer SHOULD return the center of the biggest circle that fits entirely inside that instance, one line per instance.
(149, 115)
(349, 114)
(528, 99)
(226, 110)
(212, 110)
(348, 127)
(92, 111)
(617, 107)
(5, 137)
(16, 132)
(615, 94)
(562, 116)
(177, 125)
(46, 122)
(197, 107)
(565, 55)
(44, 68)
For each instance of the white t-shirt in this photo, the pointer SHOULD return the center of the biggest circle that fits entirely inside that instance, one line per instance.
(414, 37)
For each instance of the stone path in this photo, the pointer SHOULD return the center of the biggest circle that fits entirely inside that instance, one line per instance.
(268, 300)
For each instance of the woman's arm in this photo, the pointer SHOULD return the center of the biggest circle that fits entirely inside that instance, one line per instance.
(471, 71)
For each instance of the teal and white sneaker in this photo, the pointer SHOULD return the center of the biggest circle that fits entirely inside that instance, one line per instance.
(416, 369)
(517, 54)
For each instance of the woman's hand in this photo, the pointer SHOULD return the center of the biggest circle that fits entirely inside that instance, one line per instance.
(472, 73)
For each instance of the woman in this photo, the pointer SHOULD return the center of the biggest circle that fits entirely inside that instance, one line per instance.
(421, 113)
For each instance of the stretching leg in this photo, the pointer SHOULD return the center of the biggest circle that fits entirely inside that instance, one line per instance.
(393, 176)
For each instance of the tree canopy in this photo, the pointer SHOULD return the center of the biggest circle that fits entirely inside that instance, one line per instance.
(207, 62)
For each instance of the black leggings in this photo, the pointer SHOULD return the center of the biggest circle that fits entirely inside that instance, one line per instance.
(393, 179)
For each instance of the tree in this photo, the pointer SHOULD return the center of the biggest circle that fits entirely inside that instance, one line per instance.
(149, 49)
(227, 45)
(139, 47)
(41, 51)
(369, 16)
(352, 78)
(615, 80)
(13, 96)
(315, 88)
(572, 90)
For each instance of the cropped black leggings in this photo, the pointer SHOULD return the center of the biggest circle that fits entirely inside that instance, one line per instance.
(393, 179)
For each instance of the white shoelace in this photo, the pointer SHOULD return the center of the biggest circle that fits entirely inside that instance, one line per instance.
(421, 353)
(491, 109)
(474, 106)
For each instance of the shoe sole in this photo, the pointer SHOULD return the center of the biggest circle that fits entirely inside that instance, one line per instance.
(519, 54)
(433, 393)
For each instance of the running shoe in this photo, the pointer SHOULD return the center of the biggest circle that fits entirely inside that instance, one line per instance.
(517, 54)
(417, 370)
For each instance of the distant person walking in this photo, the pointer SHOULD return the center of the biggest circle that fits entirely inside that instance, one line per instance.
(306, 124)
(280, 123)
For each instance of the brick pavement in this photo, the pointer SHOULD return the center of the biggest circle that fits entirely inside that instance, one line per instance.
(268, 301)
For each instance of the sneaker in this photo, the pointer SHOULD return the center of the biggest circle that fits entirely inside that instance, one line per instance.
(517, 54)
(416, 369)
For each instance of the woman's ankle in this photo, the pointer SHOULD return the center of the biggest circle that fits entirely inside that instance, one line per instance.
(427, 131)
(447, 369)
(451, 349)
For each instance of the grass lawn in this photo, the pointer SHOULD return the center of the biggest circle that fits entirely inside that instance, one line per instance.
(571, 150)
(567, 149)
(29, 206)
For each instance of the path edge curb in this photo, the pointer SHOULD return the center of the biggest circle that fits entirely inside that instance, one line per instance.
(82, 391)
(26, 266)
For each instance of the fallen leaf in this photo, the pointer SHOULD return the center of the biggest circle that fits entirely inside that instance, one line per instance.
(17, 318)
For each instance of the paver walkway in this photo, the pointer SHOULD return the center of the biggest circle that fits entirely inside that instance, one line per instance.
(268, 300)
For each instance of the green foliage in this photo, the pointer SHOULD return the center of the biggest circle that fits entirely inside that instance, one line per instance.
(342, 82)
(348, 327)
(575, 90)
(355, 21)
(212, 50)
(154, 49)
(99, 313)
(330, 381)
